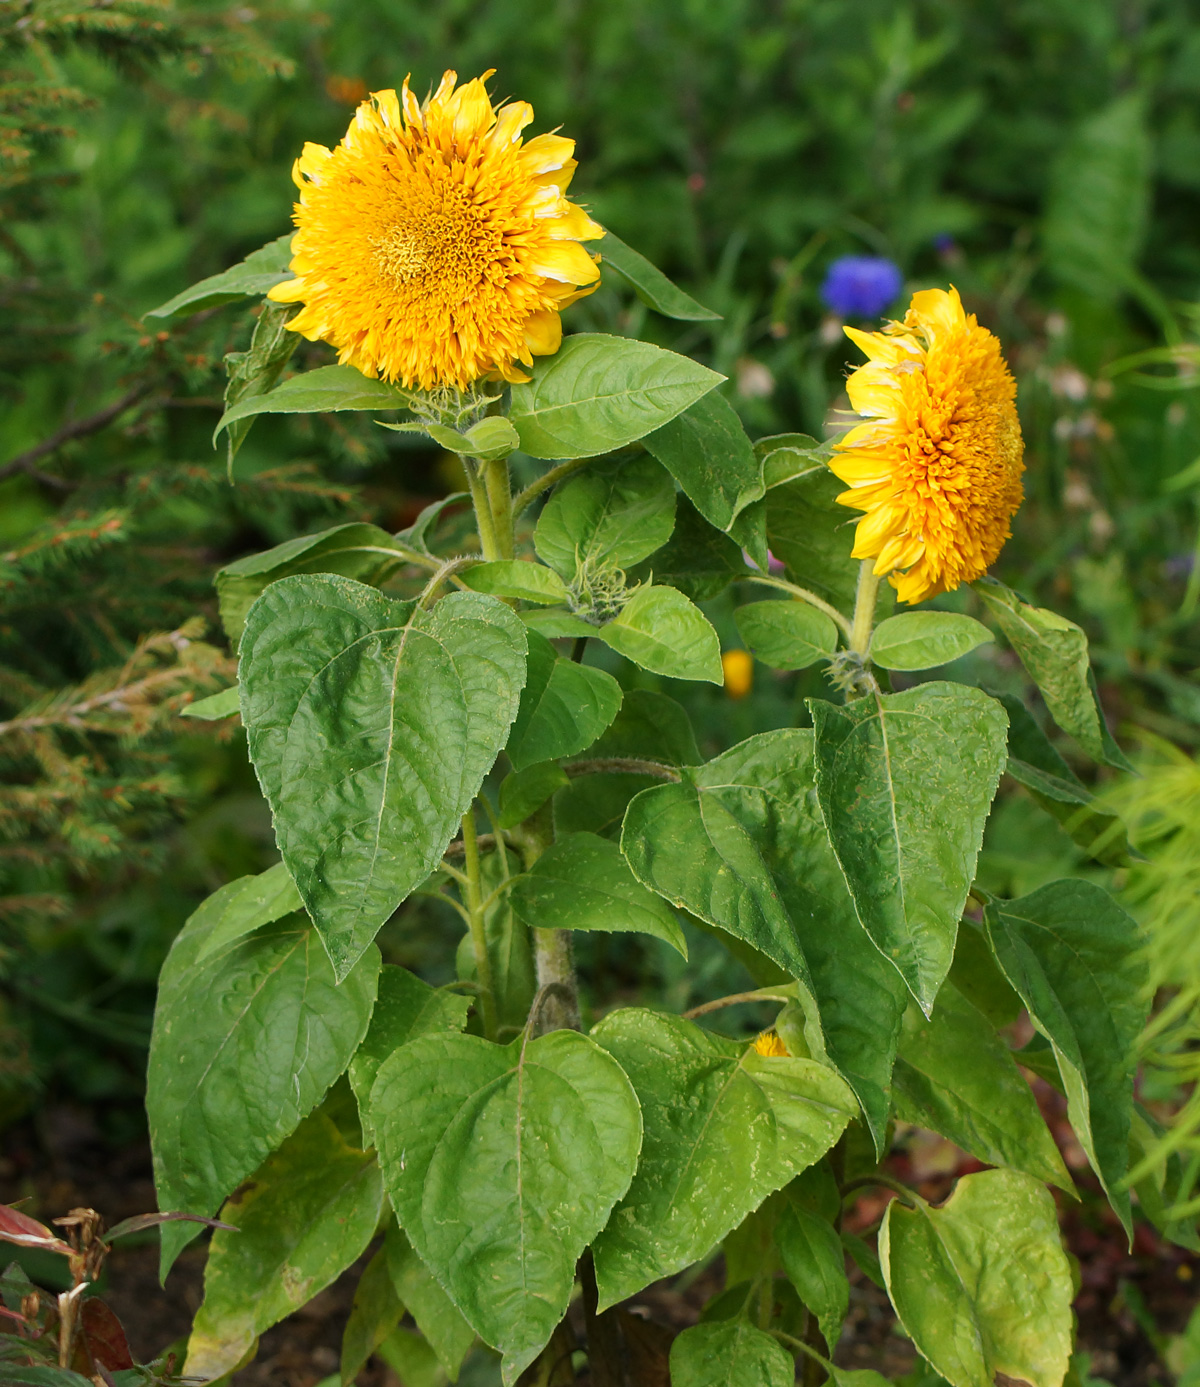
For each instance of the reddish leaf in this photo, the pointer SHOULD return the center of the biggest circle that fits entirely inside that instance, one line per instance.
(141, 1221)
(19, 1228)
(105, 1337)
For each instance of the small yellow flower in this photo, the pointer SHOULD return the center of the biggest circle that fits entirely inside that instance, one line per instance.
(738, 667)
(769, 1044)
(936, 464)
(434, 245)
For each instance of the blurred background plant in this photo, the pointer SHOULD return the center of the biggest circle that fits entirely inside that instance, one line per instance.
(1042, 156)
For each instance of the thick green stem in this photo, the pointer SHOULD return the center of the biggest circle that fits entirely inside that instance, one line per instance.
(484, 522)
(864, 607)
(552, 954)
(483, 964)
(499, 492)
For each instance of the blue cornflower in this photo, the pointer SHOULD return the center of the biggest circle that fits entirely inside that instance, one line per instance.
(861, 286)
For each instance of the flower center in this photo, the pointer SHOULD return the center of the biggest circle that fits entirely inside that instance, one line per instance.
(400, 254)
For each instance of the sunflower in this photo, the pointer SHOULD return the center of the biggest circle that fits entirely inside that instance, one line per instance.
(937, 462)
(769, 1044)
(435, 246)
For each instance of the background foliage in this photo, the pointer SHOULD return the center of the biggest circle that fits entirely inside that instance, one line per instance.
(1045, 157)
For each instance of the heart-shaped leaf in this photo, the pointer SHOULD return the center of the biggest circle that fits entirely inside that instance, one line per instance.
(503, 1163)
(660, 630)
(787, 635)
(371, 725)
(729, 1353)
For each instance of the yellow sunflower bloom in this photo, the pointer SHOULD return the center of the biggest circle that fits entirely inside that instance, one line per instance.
(936, 464)
(769, 1044)
(434, 245)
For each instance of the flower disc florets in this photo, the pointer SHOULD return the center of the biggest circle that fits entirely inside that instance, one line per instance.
(435, 246)
(936, 464)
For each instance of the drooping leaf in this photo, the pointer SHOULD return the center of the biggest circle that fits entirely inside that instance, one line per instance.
(261, 270)
(1076, 959)
(787, 635)
(242, 906)
(1034, 763)
(598, 393)
(729, 1353)
(650, 284)
(405, 1008)
(815, 1263)
(256, 371)
(724, 1127)
(708, 453)
(376, 1311)
(741, 843)
(306, 1214)
(524, 792)
(564, 706)
(905, 782)
(583, 882)
(448, 1333)
(531, 582)
(660, 630)
(417, 535)
(956, 1076)
(925, 640)
(698, 559)
(977, 975)
(982, 1285)
(517, 1153)
(613, 515)
(355, 550)
(325, 390)
(429, 696)
(244, 1046)
(1055, 653)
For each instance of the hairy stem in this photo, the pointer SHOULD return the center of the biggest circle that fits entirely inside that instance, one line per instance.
(499, 492)
(484, 522)
(483, 964)
(803, 595)
(864, 607)
(552, 954)
(545, 482)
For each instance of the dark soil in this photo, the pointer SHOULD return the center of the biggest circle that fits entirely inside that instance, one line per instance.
(62, 1162)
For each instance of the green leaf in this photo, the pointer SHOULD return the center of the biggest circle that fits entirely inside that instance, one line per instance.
(976, 974)
(925, 640)
(509, 946)
(650, 727)
(304, 1217)
(815, 1263)
(326, 390)
(707, 452)
(982, 1285)
(564, 707)
(1098, 200)
(650, 284)
(787, 635)
(612, 516)
(489, 440)
(524, 792)
(449, 1335)
(355, 550)
(810, 532)
(220, 705)
(1055, 653)
(411, 1359)
(598, 393)
(416, 536)
(1034, 763)
(660, 630)
(242, 906)
(405, 1008)
(956, 1076)
(255, 372)
(245, 1045)
(583, 882)
(724, 1128)
(430, 696)
(741, 844)
(375, 1313)
(261, 270)
(698, 560)
(862, 1254)
(1162, 1186)
(518, 1153)
(531, 582)
(1076, 959)
(905, 782)
(730, 1353)
(556, 622)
